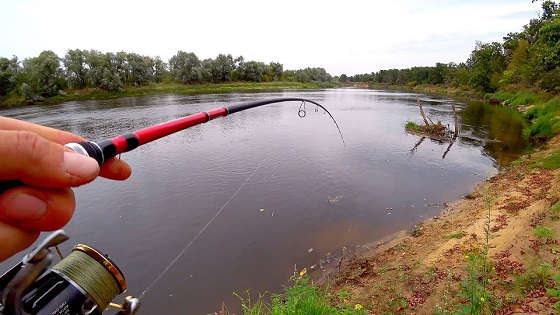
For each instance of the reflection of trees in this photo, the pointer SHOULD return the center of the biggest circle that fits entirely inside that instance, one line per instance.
(498, 129)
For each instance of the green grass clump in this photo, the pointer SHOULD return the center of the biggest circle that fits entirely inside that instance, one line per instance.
(545, 120)
(555, 210)
(301, 297)
(304, 298)
(513, 98)
(532, 278)
(457, 235)
(543, 233)
(552, 161)
(410, 125)
(473, 287)
(555, 292)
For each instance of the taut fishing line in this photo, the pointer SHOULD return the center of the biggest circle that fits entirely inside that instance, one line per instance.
(191, 242)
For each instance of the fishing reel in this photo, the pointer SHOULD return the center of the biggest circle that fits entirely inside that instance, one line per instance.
(82, 283)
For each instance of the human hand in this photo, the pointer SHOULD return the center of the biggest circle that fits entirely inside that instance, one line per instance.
(35, 156)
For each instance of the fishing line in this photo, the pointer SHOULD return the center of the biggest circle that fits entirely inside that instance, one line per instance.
(191, 242)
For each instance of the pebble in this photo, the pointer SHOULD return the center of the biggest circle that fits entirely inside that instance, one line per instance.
(436, 217)
(310, 250)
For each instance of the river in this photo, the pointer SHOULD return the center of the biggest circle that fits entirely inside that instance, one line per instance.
(291, 191)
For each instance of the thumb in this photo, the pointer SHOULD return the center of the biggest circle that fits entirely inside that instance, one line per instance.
(38, 162)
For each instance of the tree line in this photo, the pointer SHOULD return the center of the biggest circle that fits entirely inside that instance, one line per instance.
(530, 58)
(49, 75)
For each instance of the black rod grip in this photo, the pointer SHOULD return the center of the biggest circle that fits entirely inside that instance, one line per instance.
(8, 184)
(86, 148)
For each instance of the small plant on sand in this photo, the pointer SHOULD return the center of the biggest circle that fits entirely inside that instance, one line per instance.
(473, 288)
(342, 294)
(457, 235)
(535, 276)
(543, 233)
(555, 211)
(446, 308)
(252, 307)
(555, 292)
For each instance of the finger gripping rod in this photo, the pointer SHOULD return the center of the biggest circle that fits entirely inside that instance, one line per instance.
(104, 150)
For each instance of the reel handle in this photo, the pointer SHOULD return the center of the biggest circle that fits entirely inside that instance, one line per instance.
(87, 148)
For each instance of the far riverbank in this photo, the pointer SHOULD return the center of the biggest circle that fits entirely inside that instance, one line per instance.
(166, 88)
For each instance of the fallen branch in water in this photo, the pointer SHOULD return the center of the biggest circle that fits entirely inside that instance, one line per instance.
(435, 131)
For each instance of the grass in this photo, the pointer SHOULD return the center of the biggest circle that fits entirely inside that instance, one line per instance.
(169, 88)
(545, 120)
(456, 235)
(543, 233)
(551, 161)
(513, 98)
(473, 289)
(555, 211)
(535, 276)
(300, 298)
(410, 125)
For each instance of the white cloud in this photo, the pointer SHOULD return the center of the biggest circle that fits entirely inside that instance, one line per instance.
(351, 36)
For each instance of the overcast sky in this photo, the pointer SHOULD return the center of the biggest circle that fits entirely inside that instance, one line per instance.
(341, 36)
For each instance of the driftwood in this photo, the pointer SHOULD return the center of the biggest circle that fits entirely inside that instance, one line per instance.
(436, 132)
(422, 112)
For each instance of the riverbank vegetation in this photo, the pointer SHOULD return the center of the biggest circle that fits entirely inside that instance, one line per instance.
(91, 74)
(521, 72)
(495, 251)
(527, 59)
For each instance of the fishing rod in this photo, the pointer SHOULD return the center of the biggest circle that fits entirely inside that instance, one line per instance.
(106, 149)
(86, 281)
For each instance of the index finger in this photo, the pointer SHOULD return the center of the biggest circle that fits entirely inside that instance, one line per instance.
(113, 169)
(54, 135)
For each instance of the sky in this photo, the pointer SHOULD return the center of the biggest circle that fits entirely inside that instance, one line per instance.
(348, 36)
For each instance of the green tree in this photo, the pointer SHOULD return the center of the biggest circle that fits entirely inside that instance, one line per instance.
(276, 69)
(487, 63)
(76, 68)
(251, 71)
(160, 69)
(221, 68)
(518, 69)
(9, 69)
(186, 67)
(43, 75)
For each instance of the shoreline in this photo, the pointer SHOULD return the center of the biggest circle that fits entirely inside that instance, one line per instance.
(430, 269)
(166, 88)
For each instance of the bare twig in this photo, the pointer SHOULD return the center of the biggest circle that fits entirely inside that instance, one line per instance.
(422, 112)
(456, 121)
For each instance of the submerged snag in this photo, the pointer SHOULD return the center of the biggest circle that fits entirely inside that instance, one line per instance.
(436, 131)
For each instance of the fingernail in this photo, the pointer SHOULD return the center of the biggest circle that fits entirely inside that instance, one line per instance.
(80, 165)
(24, 207)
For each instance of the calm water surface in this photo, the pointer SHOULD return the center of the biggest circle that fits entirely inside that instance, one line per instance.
(316, 192)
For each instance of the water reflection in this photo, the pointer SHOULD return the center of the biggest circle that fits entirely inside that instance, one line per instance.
(498, 129)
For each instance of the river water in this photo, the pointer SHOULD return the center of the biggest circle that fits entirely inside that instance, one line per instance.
(291, 191)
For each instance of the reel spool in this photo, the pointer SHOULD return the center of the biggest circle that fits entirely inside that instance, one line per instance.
(83, 283)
